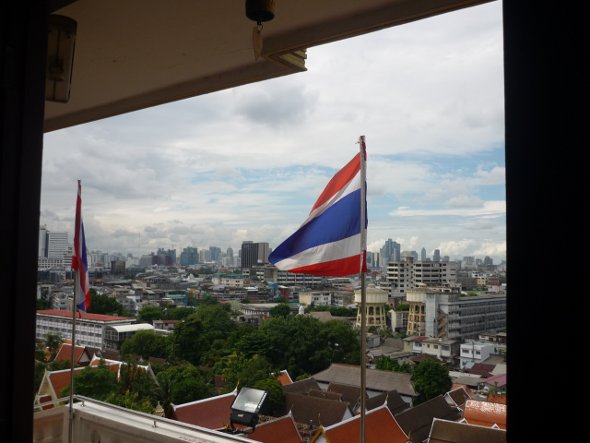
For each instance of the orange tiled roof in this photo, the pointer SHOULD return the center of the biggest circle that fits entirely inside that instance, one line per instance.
(281, 430)
(485, 413)
(211, 413)
(61, 379)
(380, 427)
(65, 353)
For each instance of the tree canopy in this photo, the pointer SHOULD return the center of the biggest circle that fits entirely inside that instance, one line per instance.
(430, 378)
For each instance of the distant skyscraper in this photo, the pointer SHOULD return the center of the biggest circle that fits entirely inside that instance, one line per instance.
(412, 254)
(215, 253)
(391, 251)
(423, 254)
(57, 244)
(254, 254)
(43, 241)
(230, 256)
(189, 256)
(436, 255)
(204, 255)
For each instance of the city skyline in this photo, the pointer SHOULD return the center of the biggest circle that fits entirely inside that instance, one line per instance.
(248, 163)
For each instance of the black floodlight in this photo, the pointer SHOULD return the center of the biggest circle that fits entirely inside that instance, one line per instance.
(246, 406)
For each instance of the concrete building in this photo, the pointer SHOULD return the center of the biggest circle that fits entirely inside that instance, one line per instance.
(254, 254)
(315, 298)
(375, 307)
(473, 352)
(189, 256)
(443, 349)
(295, 279)
(445, 313)
(398, 320)
(391, 251)
(57, 244)
(409, 273)
(115, 335)
(90, 328)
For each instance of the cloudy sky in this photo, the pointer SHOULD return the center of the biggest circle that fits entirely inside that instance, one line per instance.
(248, 163)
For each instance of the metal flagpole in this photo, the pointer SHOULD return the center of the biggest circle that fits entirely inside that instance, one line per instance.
(74, 309)
(363, 289)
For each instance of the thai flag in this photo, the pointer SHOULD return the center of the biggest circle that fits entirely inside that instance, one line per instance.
(330, 242)
(79, 260)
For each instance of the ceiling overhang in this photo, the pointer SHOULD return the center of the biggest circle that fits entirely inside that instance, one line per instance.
(134, 54)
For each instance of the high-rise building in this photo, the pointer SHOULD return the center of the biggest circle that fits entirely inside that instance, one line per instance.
(204, 256)
(166, 257)
(189, 256)
(215, 253)
(391, 251)
(230, 257)
(436, 255)
(423, 254)
(57, 244)
(254, 254)
(43, 241)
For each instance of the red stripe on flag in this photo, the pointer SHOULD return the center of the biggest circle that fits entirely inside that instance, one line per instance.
(335, 268)
(339, 180)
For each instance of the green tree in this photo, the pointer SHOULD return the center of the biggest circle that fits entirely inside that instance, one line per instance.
(148, 314)
(130, 400)
(237, 369)
(302, 344)
(179, 313)
(388, 364)
(103, 304)
(53, 343)
(274, 404)
(280, 310)
(430, 378)
(183, 383)
(94, 382)
(146, 344)
(204, 334)
(140, 381)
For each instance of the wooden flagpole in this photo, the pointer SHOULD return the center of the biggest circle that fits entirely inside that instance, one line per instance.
(363, 285)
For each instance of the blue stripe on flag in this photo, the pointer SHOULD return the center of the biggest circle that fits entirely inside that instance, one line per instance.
(335, 223)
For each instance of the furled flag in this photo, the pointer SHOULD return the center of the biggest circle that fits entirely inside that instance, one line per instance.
(79, 261)
(331, 242)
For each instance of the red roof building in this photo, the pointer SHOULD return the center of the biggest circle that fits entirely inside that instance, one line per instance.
(380, 427)
(281, 430)
(211, 413)
(485, 413)
(81, 355)
(90, 328)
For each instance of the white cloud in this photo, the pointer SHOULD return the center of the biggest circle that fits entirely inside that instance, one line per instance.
(247, 163)
(487, 209)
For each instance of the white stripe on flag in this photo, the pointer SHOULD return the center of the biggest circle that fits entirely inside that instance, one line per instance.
(337, 250)
(352, 185)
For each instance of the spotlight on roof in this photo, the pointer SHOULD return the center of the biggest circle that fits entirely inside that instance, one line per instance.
(246, 406)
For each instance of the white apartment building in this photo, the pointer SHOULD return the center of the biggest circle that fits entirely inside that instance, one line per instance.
(475, 352)
(315, 298)
(90, 328)
(443, 349)
(57, 244)
(409, 273)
